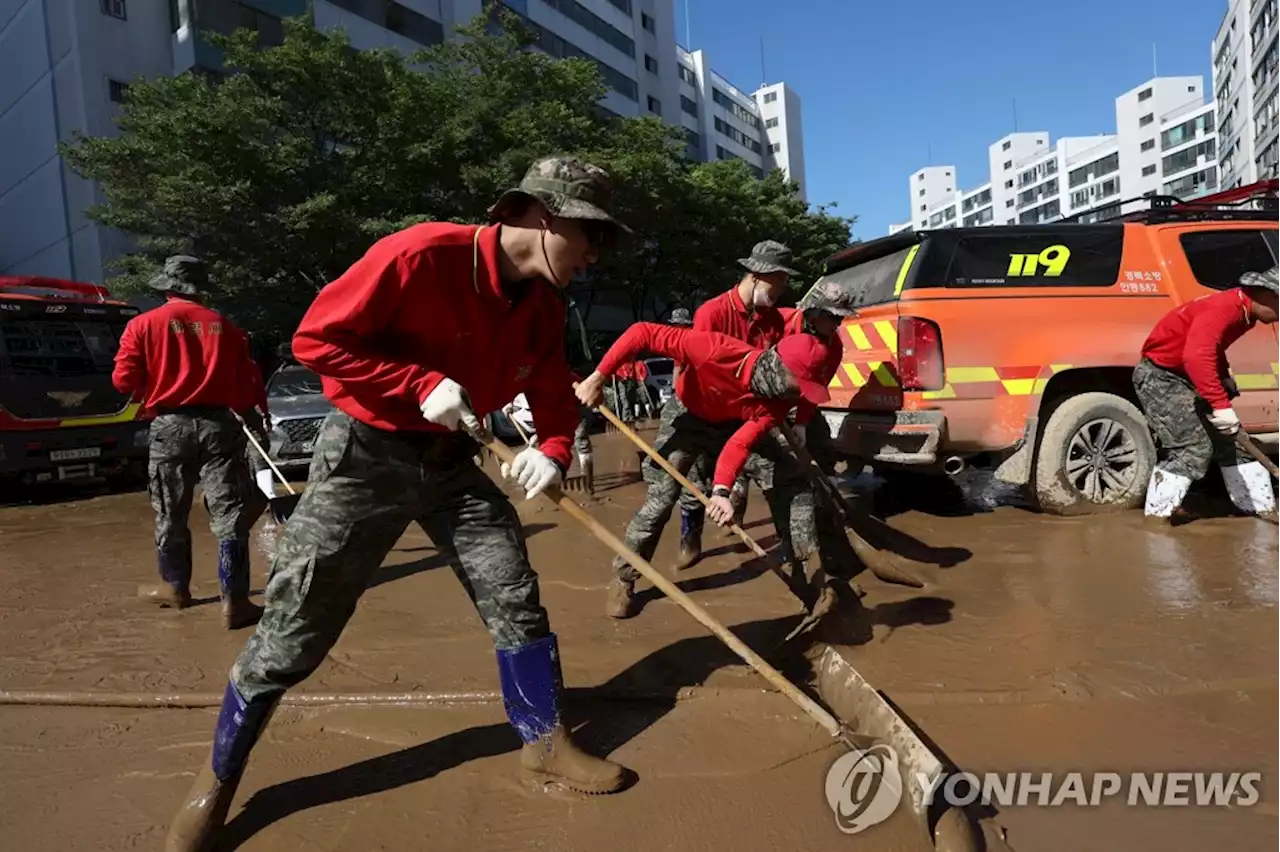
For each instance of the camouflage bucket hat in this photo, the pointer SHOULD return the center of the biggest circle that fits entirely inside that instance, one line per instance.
(182, 274)
(827, 296)
(568, 187)
(681, 316)
(769, 256)
(1267, 280)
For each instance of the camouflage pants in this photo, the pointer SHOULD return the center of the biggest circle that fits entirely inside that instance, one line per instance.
(681, 439)
(582, 435)
(366, 486)
(205, 445)
(1178, 417)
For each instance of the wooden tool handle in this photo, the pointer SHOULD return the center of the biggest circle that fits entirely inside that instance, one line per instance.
(828, 722)
(248, 433)
(678, 477)
(1247, 444)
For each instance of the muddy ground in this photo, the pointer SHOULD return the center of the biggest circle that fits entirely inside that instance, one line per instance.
(1041, 644)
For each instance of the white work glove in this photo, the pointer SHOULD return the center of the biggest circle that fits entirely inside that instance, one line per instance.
(1225, 421)
(532, 471)
(447, 406)
(266, 483)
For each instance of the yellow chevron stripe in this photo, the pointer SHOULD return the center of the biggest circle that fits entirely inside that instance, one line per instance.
(906, 267)
(859, 337)
(1058, 368)
(1254, 381)
(1039, 386)
(947, 392)
(972, 374)
(883, 374)
(130, 413)
(1019, 387)
(854, 374)
(888, 333)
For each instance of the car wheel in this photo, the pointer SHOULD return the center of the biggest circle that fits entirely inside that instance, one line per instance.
(1095, 455)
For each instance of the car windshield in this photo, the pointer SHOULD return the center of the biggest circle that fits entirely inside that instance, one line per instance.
(294, 381)
(660, 366)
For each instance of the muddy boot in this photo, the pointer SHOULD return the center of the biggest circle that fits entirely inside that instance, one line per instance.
(175, 590)
(620, 598)
(201, 817)
(691, 523)
(233, 576)
(531, 687)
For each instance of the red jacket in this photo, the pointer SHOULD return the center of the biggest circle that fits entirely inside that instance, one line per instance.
(726, 313)
(428, 303)
(716, 383)
(182, 354)
(1192, 339)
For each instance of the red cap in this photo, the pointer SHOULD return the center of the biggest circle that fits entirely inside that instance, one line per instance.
(806, 357)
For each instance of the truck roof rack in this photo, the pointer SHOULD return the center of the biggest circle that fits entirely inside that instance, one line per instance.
(1254, 201)
(55, 288)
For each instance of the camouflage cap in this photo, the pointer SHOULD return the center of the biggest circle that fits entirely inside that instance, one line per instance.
(182, 274)
(827, 295)
(1267, 280)
(769, 256)
(681, 316)
(568, 187)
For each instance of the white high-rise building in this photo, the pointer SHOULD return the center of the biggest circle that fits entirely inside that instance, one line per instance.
(1233, 94)
(66, 64)
(722, 122)
(1165, 143)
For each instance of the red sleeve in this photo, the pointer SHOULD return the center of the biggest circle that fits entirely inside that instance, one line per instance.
(130, 372)
(738, 447)
(642, 371)
(553, 404)
(334, 336)
(1203, 350)
(651, 337)
(835, 355)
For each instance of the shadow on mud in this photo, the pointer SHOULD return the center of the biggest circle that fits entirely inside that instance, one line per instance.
(45, 494)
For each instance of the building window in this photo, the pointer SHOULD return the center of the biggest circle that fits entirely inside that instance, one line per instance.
(688, 105)
(775, 147)
(413, 25)
(114, 9)
(1146, 119)
(1148, 170)
(1191, 88)
(1144, 94)
(1008, 164)
(655, 105)
(650, 64)
(1098, 168)
(770, 97)
(737, 135)
(1009, 203)
(594, 24)
(924, 207)
(1148, 144)
(921, 193)
(1006, 146)
(1186, 131)
(1008, 184)
(1188, 157)
(772, 122)
(646, 21)
(740, 112)
(555, 46)
(686, 74)
(116, 91)
(919, 177)
(624, 5)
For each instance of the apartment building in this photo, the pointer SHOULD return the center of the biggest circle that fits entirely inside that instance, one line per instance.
(722, 122)
(65, 66)
(1165, 143)
(1245, 83)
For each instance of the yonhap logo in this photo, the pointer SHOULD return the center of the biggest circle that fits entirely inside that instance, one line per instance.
(864, 788)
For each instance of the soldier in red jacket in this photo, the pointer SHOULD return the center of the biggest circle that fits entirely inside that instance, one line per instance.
(191, 367)
(433, 324)
(732, 396)
(1185, 390)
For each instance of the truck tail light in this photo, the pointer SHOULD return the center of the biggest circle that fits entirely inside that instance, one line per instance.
(920, 365)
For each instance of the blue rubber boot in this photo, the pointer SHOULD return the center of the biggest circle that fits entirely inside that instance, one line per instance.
(174, 590)
(233, 577)
(531, 687)
(691, 522)
(200, 820)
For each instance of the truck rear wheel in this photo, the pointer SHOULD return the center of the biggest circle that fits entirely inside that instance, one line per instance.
(1095, 455)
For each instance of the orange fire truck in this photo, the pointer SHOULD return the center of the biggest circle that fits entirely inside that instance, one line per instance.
(60, 417)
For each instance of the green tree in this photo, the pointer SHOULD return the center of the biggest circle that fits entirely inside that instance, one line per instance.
(283, 172)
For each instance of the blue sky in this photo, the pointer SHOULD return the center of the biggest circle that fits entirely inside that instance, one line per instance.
(882, 83)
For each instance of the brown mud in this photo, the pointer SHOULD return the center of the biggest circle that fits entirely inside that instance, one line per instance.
(1048, 644)
(720, 762)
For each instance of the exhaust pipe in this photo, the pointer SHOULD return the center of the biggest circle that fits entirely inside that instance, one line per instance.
(953, 465)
